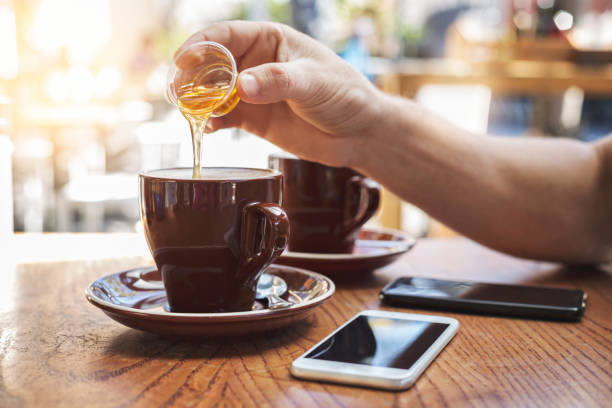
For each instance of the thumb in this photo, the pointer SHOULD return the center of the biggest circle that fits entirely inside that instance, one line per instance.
(273, 82)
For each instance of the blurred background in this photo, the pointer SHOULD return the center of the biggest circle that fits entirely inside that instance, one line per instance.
(82, 84)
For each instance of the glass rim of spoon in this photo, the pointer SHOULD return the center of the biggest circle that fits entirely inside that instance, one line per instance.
(170, 93)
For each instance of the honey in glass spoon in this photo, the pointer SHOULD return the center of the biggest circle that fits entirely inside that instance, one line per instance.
(202, 83)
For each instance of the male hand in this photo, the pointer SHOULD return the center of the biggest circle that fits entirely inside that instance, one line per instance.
(295, 92)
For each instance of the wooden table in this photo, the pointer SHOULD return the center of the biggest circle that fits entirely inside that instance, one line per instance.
(57, 350)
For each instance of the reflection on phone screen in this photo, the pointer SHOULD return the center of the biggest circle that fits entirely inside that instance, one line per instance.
(380, 341)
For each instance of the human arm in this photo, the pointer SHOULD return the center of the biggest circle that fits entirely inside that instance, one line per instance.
(537, 198)
(531, 197)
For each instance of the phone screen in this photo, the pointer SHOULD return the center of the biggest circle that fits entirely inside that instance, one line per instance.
(380, 341)
(528, 295)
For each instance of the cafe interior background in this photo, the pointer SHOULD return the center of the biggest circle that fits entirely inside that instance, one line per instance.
(82, 106)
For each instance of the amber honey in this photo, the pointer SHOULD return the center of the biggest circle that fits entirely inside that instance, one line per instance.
(229, 104)
(200, 101)
(206, 96)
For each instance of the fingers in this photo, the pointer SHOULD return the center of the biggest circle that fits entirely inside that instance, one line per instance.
(272, 123)
(237, 36)
(251, 43)
(252, 118)
(269, 53)
(214, 124)
(275, 82)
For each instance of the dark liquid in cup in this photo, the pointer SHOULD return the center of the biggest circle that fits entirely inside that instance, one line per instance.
(207, 236)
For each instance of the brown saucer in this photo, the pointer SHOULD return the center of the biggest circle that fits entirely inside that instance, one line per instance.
(374, 248)
(136, 298)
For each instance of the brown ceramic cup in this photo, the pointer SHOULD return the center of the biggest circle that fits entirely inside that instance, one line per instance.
(211, 237)
(326, 205)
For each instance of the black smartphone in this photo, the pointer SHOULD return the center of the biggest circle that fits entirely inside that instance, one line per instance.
(486, 298)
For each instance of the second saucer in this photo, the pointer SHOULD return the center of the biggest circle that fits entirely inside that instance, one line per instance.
(374, 248)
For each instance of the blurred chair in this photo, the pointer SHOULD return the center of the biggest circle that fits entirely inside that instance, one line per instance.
(160, 143)
(79, 151)
(87, 194)
(33, 183)
(80, 162)
(84, 202)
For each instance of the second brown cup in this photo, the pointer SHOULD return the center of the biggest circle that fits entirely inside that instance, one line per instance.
(326, 205)
(211, 237)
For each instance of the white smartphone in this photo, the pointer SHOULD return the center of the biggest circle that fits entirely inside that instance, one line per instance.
(377, 349)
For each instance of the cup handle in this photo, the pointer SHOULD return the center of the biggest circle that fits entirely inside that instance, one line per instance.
(265, 232)
(361, 201)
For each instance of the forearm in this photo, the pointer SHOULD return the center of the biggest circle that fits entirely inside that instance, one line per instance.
(534, 198)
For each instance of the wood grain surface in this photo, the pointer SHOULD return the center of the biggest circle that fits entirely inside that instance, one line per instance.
(57, 350)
